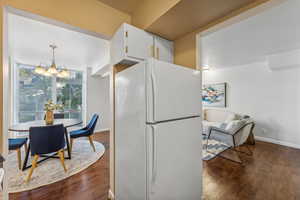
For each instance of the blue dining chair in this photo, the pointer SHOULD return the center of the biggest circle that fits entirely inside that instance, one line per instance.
(16, 144)
(46, 140)
(85, 132)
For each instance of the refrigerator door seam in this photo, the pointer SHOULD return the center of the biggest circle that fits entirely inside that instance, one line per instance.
(171, 120)
(153, 93)
(154, 159)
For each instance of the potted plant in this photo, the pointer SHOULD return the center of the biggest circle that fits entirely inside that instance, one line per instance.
(49, 108)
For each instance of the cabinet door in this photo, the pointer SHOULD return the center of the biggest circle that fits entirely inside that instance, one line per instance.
(117, 46)
(163, 49)
(139, 43)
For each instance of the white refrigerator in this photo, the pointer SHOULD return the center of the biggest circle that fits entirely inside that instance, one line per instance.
(158, 141)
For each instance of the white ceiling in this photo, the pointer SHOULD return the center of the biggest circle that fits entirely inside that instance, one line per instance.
(275, 31)
(29, 44)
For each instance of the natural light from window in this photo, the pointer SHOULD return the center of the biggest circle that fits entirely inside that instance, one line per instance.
(32, 91)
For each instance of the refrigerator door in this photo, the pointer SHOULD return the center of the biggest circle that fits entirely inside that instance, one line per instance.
(174, 165)
(173, 92)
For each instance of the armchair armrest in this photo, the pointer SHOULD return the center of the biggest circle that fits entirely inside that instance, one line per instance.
(242, 134)
(213, 128)
(247, 124)
(221, 135)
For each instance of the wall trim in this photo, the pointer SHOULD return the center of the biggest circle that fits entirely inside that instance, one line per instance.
(275, 141)
(111, 195)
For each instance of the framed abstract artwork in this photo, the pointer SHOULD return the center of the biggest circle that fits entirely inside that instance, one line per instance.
(214, 95)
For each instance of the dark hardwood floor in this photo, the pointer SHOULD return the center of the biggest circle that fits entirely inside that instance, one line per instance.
(272, 173)
(90, 184)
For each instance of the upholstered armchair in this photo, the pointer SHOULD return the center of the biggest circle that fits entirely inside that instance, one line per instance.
(234, 136)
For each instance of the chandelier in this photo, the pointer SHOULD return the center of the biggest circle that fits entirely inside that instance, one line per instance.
(52, 70)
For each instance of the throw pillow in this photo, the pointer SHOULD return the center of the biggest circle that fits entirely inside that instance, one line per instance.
(235, 125)
(223, 126)
(230, 117)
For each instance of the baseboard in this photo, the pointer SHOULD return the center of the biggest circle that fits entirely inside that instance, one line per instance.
(274, 141)
(111, 195)
(102, 130)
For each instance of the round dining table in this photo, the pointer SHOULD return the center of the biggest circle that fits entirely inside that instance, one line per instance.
(22, 130)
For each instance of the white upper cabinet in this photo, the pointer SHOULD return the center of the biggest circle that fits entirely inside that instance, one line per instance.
(131, 45)
(164, 49)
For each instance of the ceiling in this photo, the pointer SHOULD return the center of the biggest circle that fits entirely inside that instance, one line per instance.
(189, 15)
(29, 44)
(274, 32)
(127, 6)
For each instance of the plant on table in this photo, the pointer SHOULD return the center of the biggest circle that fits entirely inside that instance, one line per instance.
(49, 108)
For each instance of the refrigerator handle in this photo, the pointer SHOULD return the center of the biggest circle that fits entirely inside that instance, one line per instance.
(153, 92)
(154, 156)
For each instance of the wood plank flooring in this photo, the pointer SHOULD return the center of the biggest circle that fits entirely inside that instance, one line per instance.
(272, 173)
(90, 184)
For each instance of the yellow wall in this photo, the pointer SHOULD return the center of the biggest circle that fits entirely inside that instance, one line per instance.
(185, 50)
(150, 10)
(91, 15)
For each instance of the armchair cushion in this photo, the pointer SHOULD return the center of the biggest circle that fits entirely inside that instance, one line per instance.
(221, 135)
(208, 124)
(216, 115)
(235, 134)
(79, 133)
(230, 117)
(235, 125)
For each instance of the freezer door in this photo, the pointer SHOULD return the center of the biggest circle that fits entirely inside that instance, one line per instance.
(173, 91)
(174, 164)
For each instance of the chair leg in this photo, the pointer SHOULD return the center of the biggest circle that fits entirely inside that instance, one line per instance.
(34, 165)
(71, 144)
(19, 158)
(248, 153)
(26, 147)
(62, 159)
(92, 143)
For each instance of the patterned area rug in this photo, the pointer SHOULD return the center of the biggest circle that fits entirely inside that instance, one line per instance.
(214, 148)
(51, 171)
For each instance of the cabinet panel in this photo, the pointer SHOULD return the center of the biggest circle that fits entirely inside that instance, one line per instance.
(117, 46)
(131, 45)
(163, 49)
(138, 42)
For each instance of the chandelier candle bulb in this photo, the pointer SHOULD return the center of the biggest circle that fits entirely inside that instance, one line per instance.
(39, 70)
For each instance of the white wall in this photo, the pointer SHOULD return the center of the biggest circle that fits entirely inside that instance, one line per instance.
(274, 31)
(245, 55)
(29, 42)
(272, 98)
(98, 100)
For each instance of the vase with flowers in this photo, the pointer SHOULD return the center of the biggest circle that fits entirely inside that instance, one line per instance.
(49, 108)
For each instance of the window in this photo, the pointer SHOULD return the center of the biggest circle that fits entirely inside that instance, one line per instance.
(32, 91)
